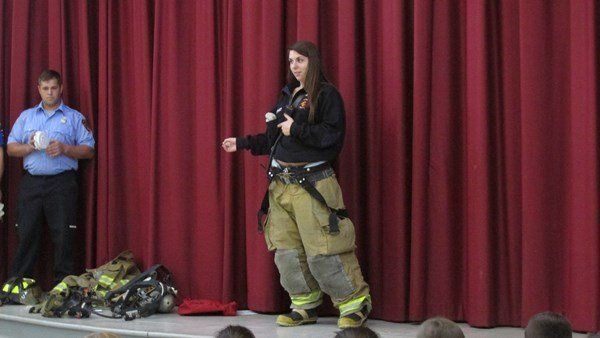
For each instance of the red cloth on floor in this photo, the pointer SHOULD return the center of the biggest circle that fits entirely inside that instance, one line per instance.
(206, 306)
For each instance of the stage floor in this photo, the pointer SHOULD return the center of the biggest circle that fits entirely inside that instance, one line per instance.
(15, 321)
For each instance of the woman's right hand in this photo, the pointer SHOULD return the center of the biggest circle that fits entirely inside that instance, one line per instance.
(229, 144)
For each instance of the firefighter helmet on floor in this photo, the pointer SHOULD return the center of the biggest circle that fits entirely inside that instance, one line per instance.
(19, 290)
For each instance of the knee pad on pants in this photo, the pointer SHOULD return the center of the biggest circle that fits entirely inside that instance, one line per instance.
(290, 268)
(331, 276)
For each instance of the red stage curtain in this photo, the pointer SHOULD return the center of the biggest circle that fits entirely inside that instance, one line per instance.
(470, 166)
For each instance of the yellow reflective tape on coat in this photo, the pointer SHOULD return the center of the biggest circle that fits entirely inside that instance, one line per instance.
(60, 287)
(308, 298)
(353, 305)
(106, 281)
(117, 284)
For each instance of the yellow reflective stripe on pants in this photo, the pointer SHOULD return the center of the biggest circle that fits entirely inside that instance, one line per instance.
(306, 298)
(353, 305)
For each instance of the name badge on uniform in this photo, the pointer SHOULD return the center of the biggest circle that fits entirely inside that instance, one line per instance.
(63, 120)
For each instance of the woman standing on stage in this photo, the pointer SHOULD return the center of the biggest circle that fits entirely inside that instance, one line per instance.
(307, 224)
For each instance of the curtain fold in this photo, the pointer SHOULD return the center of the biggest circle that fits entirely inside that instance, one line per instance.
(470, 166)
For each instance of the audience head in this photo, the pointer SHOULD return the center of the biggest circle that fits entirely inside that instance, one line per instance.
(439, 327)
(548, 325)
(235, 331)
(357, 332)
(102, 335)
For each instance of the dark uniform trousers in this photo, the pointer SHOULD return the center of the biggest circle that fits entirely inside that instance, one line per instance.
(55, 197)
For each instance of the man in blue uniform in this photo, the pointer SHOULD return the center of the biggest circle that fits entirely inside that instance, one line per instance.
(51, 138)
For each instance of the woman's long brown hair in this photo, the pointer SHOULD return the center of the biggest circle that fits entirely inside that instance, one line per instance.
(315, 78)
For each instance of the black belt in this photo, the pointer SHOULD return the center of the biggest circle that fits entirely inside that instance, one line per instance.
(305, 177)
(297, 175)
(62, 173)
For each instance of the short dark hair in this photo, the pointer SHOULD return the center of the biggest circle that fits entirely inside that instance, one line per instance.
(357, 332)
(49, 74)
(439, 327)
(235, 331)
(548, 325)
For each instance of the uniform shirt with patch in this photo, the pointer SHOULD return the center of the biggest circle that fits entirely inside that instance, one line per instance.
(64, 124)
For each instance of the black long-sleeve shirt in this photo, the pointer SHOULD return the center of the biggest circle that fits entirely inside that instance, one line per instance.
(321, 140)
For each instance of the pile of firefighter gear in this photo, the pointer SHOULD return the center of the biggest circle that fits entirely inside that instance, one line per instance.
(118, 286)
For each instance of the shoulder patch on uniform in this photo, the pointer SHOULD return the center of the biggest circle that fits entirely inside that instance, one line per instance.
(86, 125)
(304, 104)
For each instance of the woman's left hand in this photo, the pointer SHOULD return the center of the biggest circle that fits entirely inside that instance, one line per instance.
(286, 125)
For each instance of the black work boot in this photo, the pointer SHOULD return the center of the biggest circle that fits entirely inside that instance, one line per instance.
(355, 319)
(298, 317)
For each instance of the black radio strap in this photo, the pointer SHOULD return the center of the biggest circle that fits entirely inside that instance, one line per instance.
(334, 214)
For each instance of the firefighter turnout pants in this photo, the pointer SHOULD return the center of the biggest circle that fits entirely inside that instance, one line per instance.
(310, 259)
